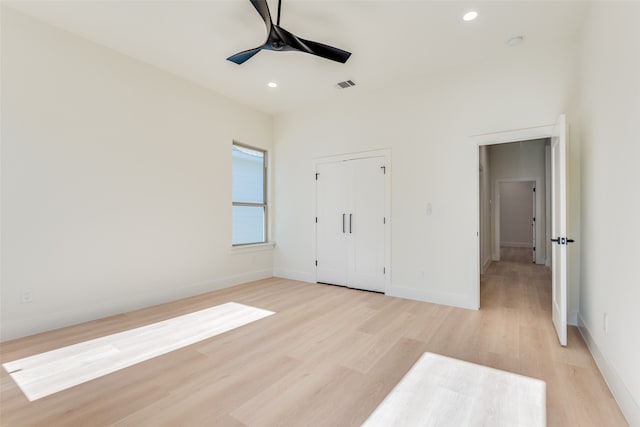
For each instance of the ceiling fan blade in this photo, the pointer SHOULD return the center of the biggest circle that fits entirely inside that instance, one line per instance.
(263, 9)
(325, 51)
(294, 42)
(241, 57)
(279, 39)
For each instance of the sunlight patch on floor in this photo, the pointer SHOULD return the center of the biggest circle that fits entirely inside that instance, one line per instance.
(46, 373)
(441, 391)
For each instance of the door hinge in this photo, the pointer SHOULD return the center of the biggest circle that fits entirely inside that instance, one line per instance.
(317, 173)
(316, 263)
(316, 220)
(384, 270)
(534, 219)
(384, 169)
(534, 189)
(384, 220)
(534, 248)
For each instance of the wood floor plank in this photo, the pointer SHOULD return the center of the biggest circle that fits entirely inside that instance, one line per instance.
(328, 356)
(212, 396)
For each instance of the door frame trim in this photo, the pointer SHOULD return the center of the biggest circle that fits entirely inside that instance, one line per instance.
(494, 138)
(386, 153)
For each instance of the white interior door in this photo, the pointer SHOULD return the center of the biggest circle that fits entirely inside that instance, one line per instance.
(559, 229)
(351, 223)
(367, 225)
(333, 192)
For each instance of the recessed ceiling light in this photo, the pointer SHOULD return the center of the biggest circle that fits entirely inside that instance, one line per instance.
(272, 84)
(515, 40)
(470, 16)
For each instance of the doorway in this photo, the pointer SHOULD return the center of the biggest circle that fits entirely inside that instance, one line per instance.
(552, 179)
(516, 196)
(516, 210)
(513, 200)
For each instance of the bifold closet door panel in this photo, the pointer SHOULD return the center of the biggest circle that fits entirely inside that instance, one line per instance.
(334, 189)
(366, 241)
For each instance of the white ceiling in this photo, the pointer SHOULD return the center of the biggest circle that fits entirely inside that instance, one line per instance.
(391, 40)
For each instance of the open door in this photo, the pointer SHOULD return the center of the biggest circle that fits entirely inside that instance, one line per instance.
(559, 229)
(533, 224)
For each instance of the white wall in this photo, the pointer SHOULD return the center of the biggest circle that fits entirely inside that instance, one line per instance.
(427, 124)
(520, 161)
(116, 182)
(610, 150)
(516, 214)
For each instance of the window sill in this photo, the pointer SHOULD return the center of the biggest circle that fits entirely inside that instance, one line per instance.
(257, 247)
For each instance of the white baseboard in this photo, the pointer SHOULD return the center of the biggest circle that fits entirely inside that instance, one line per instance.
(455, 300)
(572, 318)
(17, 328)
(621, 393)
(301, 276)
(515, 245)
(485, 264)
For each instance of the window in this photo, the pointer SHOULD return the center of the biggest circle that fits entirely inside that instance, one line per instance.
(249, 210)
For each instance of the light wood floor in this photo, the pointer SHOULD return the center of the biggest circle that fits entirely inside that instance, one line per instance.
(326, 358)
(524, 255)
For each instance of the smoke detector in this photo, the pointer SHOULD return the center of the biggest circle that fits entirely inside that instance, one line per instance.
(515, 40)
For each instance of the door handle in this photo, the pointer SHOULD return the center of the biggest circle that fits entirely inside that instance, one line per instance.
(350, 230)
(343, 215)
(562, 240)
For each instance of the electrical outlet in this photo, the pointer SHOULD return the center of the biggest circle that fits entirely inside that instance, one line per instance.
(26, 296)
(605, 322)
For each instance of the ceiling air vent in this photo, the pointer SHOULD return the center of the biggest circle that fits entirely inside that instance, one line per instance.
(345, 84)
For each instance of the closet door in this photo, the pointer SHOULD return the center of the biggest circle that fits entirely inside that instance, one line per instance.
(367, 225)
(334, 190)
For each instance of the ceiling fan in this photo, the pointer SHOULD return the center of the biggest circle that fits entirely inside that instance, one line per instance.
(279, 39)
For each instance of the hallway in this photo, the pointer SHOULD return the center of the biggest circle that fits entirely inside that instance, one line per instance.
(519, 293)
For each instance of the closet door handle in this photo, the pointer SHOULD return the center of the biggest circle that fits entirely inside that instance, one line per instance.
(343, 215)
(350, 230)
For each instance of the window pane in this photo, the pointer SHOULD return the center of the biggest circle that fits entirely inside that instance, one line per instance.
(248, 224)
(248, 175)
